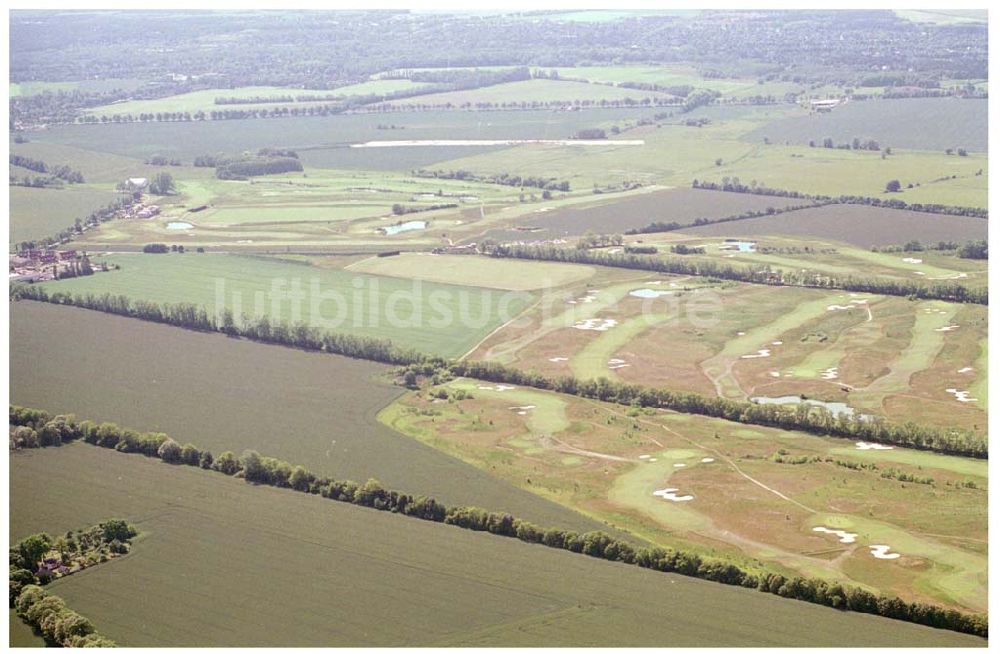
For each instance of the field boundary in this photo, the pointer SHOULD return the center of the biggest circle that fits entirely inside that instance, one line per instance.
(257, 469)
(417, 364)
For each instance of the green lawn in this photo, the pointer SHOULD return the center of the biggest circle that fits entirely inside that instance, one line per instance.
(435, 318)
(503, 274)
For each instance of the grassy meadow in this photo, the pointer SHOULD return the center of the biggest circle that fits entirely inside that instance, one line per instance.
(435, 318)
(240, 547)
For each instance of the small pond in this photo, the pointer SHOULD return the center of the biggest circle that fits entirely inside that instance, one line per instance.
(404, 227)
(836, 408)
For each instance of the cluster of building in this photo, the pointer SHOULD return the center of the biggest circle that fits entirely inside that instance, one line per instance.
(41, 265)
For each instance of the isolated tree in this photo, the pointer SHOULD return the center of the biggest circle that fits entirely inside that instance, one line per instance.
(893, 186)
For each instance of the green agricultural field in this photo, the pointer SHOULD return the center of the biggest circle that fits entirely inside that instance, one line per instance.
(39, 212)
(617, 214)
(100, 167)
(321, 141)
(675, 154)
(808, 252)
(857, 225)
(226, 394)
(502, 274)
(743, 505)
(88, 86)
(679, 75)
(529, 91)
(205, 100)
(912, 123)
(434, 318)
(447, 586)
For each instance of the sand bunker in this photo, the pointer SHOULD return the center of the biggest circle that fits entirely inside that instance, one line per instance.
(844, 536)
(947, 328)
(596, 324)
(965, 369)
(643, 456)
(707, 459)
(558, 359)
(774, 373)
(882, 552)
(839, 307)
(671, 494)
(776, 342)
(680, 465)
(912, 260)
(829, 373)
(961, 396)
(861, 445)
(741, 333)
(859, 301)
(615, 364)
(760, 354)
(500, 388)
(918, 272)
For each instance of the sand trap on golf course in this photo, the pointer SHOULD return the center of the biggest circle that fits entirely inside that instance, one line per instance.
(882, 552)
(670, 494)
(596, 324)
(829, 373)
(844, 536)
(760, 354)
(500, 388)
(839, 307)
(861, 445)
(707, 459)
(615, 364)
(558, 359)
(947, 328)
(961, 396)
(774, 373)
(966, 369)
(912, 260)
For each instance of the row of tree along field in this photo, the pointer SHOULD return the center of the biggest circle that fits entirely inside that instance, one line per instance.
(949, 292)
(264, 470)
(814, 420)
(733, 185)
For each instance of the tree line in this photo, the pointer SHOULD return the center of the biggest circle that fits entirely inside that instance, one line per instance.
(810, 419)
(506, 179)
(257, 469)
(734, 186)
(753, 274)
